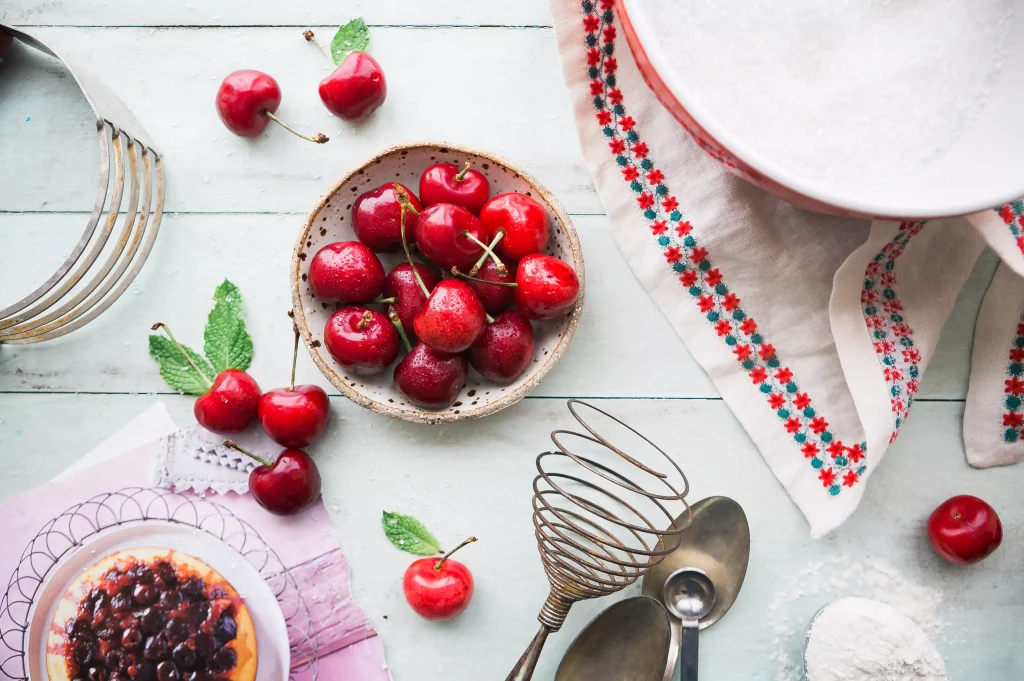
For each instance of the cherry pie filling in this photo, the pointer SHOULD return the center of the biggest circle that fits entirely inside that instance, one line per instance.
(152, 623)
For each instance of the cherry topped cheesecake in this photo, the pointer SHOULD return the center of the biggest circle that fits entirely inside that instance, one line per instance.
(151, 615)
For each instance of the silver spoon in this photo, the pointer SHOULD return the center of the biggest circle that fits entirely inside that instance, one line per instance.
(689, 595)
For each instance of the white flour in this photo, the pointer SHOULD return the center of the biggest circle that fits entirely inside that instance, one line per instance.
(858, 639)
(821, 582)
(855, 91)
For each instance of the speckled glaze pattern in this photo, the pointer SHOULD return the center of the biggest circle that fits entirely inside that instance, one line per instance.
(331, 220)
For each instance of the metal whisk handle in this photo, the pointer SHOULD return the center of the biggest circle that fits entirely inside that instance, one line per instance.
(523, 671)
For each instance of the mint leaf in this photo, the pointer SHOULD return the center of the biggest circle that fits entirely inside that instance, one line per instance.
(176, 370)
(352, 37)
(227, 344)
(408, 534)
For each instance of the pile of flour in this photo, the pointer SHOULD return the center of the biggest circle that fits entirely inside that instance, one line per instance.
(858, 639)
(852, 91)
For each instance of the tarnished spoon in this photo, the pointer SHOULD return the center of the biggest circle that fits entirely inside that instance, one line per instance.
(690, 596)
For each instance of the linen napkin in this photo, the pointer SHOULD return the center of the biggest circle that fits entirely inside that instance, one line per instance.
(816, 330)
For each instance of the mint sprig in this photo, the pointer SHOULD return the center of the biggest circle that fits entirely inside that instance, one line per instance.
(227, 345)
(409, 534)
(352, 37)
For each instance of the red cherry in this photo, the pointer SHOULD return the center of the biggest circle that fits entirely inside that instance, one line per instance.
(452, 318)
(495, 298)
(401, 285)
(297, 415)
(346, 272)
(361, 340)
(429, 378)
(286, 485)
(546, 287)
(523, 220)
(438, 589)
(449, 236)
(505, 349)
(376, 218)
(246, 102)
(355, 89)
(444, 183)
(230, 405)
(964, 530)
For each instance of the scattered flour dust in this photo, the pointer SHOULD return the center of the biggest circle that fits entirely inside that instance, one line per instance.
(852, 91)
(858, 639)
(839, 576)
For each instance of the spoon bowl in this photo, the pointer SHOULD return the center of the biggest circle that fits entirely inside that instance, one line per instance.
(689, 594)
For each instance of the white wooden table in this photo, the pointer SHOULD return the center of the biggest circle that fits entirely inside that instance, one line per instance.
(484, 74)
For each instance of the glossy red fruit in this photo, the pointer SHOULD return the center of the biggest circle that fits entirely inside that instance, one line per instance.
(964, 530)
(441, 236)
(525, 223)
(445, 183)
(361, 340)
(243, 97)
(429, 378)
(230, 405)
(401, 285)
(505, 349)
(438, 588)
(355, 89)
(376, 218)
(495, 298)
(452, 318)
(284, 486)
(346, 272)
(294, 417)
(546, 287)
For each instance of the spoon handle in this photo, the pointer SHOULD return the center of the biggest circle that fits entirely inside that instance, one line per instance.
(688, 648)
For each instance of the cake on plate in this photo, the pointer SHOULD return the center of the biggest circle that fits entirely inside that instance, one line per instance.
(151, 614)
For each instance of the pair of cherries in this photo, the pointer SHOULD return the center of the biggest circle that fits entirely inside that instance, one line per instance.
(461, 230)
(294, 417)
(248, 99)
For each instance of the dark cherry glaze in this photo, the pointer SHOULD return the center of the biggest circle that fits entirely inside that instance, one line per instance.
(156, 622)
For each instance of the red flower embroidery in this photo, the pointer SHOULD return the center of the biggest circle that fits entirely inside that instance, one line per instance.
(655, 176)
(819, 425)
(705, 303)
(887, 278)
(603, 117)
(784, 375)
(884, 347)
(835, 449)
(868, 297)
(627, 123)
(723, 327)
(1017, 355)
(911, 356)
(792, 425)
(1007, 214)
(670, 204)
(766, 351)
(759, 375)
(645, 201)
(617, 146)
(1020, 329)
(684, 228)
(855, 453)
(1013, 419)
(591, 23)
(698, 254)
(607, 4)
(610, 65)
(827, 477)
(850, 479)
(609, 33)
(640, 150)
(659, 227)
(912, 386)
(891, 306)
(688, 278)
(713, 277)
(742, 353)
(615, 95)
(630, 173)
(802, 401)
(749, 326)
(874, 322)
(596, 87)
(730, 302)
(1020, 243)
(902, 330)
(673, 254)
(776, 400)
(810, 450)
(593, 56)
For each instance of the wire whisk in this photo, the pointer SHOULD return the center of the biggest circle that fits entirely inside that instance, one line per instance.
(592, 523)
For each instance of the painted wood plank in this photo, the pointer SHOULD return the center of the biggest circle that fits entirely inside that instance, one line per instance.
(270, 13)
(475, 478)
(496, 89)
(624, 347)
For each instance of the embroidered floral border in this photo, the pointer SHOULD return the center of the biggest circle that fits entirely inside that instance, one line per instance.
(1013, 215)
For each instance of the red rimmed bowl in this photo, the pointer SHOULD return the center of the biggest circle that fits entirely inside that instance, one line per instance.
(331, 220)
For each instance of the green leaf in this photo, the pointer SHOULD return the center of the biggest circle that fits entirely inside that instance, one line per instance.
(408, 534)
(352, 37)
(174, 369)
(227, 343)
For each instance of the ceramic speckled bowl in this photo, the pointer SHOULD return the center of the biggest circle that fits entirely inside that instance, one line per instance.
(331, 220)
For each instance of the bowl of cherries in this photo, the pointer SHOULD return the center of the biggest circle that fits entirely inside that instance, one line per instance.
(436, 283)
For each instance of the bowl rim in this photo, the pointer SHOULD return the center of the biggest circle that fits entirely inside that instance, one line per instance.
(419, 415)
(822, 193)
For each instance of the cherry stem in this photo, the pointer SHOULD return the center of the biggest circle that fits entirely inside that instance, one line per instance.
(405, 206)
(462, 173)
(308, 35)
(319, 138)
(502, 270)
(167, 330)
(367, 316)
(295, 357)
(400, 328)
(234, 445)
(488, 317)
(487, 251)
(383, 301)
(456, 272)
(445, 556)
